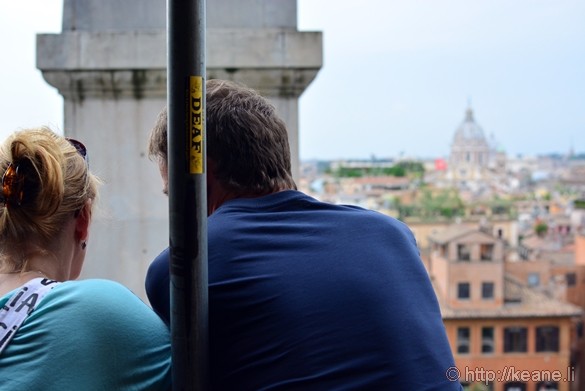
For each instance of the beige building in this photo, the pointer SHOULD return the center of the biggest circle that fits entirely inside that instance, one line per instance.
(504, 228)
(546, 268)
(501, 331)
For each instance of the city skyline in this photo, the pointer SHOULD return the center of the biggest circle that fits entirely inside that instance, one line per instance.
(397, 75)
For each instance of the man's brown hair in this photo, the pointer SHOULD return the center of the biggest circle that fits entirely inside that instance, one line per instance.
(246, 140)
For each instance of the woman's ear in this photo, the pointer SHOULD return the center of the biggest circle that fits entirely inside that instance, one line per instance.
(82, 222)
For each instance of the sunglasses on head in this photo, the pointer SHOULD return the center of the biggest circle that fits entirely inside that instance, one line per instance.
(13, 180)
(12, 185)
(79, 146)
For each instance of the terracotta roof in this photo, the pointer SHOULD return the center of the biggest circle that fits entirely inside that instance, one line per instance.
(450, 233)
(520, 302)
(546, 244)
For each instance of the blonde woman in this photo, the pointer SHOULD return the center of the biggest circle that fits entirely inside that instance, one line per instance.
(68, 335)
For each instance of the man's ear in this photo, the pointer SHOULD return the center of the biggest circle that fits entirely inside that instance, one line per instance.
(82, 222)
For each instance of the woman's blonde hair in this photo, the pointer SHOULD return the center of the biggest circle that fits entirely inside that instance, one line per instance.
(45, 181)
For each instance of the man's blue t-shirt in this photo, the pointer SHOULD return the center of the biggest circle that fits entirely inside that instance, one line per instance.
(306, 295)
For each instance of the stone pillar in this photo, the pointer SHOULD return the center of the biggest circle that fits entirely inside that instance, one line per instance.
(256, 42)
(109, 63)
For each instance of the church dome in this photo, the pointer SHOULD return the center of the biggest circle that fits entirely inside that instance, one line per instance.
(469, 132)
(470, 147)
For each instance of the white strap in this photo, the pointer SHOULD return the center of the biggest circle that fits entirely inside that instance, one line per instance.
(20, 305)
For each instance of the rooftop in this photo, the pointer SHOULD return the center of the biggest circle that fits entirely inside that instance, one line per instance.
(453, 232)
(520, 302)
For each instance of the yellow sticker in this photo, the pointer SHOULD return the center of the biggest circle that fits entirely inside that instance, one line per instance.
(196, 124)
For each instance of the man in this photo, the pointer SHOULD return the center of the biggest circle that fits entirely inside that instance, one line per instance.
(303, 295)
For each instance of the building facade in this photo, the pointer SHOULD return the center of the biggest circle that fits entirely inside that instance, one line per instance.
(505, 336)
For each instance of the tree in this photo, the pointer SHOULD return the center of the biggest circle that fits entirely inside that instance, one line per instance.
(541, 228)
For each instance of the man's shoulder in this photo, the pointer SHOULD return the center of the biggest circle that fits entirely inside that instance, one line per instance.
(157, 285)
(159, 265)
(162, 259)
(370, 216)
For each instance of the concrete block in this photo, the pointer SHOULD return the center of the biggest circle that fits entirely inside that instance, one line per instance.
(226, 48)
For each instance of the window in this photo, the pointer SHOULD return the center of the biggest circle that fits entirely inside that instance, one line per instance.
(486, 252)
(515, 339)
(487, 339)
(487, 290)
(533, 279)
(547, 386)
(463, 290)
(571, 279)
(463, 252)
(515, 386)
(547, 339)
(463, 340)
(478, 385)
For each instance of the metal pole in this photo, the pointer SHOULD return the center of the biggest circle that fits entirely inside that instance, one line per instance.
(187, 193)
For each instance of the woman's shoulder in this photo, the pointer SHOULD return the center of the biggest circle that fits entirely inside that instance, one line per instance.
(103, 330)
(84, 300)
(77, 293)
(94, 311)
(93, 285)
(91, 290)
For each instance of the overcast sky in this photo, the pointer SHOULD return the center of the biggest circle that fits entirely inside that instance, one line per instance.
(397, 74)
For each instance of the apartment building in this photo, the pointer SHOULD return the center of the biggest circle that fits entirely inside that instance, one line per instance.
(501, 330)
